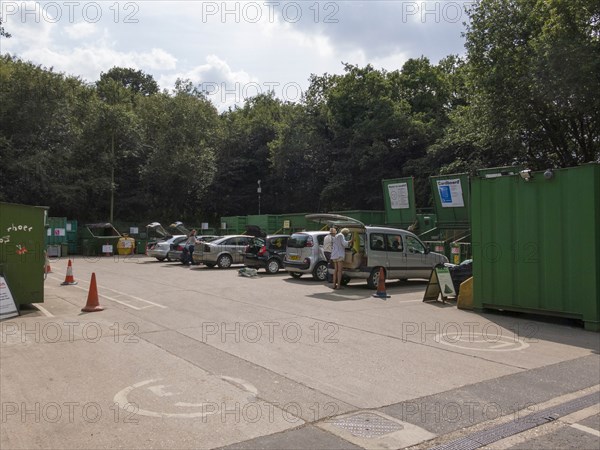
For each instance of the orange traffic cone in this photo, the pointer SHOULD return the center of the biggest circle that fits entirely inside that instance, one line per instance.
(92, 304)
(381, 285)
(47, 268)
(69, 280)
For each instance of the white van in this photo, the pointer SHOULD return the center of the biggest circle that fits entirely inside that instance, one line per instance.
(400, 252)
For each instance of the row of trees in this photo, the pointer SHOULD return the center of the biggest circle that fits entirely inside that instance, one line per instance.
(528, 92)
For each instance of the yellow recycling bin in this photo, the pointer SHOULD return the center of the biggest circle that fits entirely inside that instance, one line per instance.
(126, 246)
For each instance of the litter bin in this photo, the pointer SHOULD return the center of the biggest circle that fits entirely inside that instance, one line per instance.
(141, 247)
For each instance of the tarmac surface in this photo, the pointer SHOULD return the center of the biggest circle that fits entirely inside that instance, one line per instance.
(203, 358)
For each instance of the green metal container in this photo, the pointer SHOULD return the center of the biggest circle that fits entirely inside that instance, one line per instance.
(452, 200)
(22, 250)
(233, 224)
(269, 223)
(297, 222)
(536, 243)
(95, 236)
(56, 232)
(72, 237)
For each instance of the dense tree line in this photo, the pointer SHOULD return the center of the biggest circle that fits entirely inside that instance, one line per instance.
(528, 92)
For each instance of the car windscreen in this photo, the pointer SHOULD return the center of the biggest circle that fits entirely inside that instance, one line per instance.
(297, 240)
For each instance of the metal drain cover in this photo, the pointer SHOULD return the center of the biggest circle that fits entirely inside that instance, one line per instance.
(367, 425)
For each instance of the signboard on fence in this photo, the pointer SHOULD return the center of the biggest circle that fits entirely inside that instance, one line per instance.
(399, 200)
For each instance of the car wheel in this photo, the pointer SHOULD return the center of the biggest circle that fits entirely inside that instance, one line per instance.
(295, 274)
(209, 264)
(160, 259)
(224, 261)
(320, 271)
(373, 279)
(345, 280)
(272, 266)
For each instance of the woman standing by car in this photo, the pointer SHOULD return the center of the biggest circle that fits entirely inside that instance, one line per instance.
(338, 253)
(189, 247)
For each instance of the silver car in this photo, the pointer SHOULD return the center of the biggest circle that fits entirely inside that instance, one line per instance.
(304, 254)
(160, 250)
(161, 240)
(399, 252)
(222, 252)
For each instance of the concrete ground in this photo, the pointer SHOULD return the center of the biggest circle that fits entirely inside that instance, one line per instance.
(203, 358)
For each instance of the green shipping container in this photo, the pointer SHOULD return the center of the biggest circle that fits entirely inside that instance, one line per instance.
(269, 223)
(233, 225)
(22, 246)
(536, 243)
(56, 232)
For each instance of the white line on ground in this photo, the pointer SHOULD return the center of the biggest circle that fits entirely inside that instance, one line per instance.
(114, 299)
(586, 429)
(43, 310)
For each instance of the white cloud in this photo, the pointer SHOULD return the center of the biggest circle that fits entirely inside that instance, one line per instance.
(80, 30)
(183, 39)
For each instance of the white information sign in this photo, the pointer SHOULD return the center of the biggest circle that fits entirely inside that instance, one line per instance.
(204, 225)
(450, 193)
(8, 308)
(399, 195)
(134, 230)
(107, 248)
(59, 232)
(69, 227)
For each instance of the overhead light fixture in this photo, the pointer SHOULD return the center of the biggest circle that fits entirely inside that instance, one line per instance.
(548, 174)
(526, 174)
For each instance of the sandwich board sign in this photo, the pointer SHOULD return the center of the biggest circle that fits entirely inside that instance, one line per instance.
(440, 283)
(8, 308)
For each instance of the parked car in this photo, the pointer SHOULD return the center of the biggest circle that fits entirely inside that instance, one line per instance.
(161, 249)
(222, 252)
(266, 253)
(177, 250)
(304, 254)
(160, 240)
(399, 252)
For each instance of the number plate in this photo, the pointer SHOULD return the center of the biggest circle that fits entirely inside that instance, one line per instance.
(294, 257)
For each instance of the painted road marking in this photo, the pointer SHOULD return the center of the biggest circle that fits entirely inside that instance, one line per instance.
(129, 305)
(482, 342)
(121, 398)
(43, 310)
(586, 429)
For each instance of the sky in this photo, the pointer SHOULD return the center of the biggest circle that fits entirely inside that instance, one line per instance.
(231, 49)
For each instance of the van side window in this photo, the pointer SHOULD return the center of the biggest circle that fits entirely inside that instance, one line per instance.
(414, 245)
(321, 238)
(394, 242)
(376, 242)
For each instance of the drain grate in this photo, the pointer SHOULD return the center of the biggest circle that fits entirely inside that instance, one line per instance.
(533, 420)
(367, 425)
